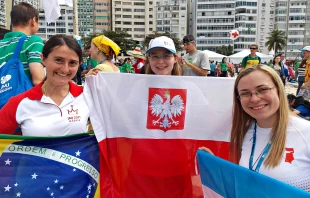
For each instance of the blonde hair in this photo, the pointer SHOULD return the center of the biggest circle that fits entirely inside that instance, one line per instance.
(241, 121)
(176, 71)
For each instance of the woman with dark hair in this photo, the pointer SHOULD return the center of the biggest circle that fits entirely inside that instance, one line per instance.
(278, 67)
(223, 67)
(56, 106)
(299, 105)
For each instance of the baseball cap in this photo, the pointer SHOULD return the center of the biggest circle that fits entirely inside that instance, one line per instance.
(188, 38)
(306, 48)
(162, 42)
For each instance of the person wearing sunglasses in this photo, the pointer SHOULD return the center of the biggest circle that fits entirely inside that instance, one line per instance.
(252, 58)
(195, 62)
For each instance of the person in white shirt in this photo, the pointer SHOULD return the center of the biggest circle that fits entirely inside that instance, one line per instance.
(56, 106)
(265, 136)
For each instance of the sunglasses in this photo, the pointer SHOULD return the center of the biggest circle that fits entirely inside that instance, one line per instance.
(253, 48)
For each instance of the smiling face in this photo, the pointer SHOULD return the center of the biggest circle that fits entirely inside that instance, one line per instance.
(263, 108)
(61, 65)
(161, 61)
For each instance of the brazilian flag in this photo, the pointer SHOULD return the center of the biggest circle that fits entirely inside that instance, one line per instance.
(49, 166)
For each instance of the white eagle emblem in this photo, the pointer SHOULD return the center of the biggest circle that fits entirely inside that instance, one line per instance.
(167, 110)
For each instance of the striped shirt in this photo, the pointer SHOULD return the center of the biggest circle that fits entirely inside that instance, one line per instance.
(30, 52)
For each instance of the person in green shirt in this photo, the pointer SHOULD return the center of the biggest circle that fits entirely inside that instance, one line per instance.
(223, 66)
(90, 63)
(252, 58)
(126, 67)
(24, 20)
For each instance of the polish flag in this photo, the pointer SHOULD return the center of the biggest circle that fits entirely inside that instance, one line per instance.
(149, 129)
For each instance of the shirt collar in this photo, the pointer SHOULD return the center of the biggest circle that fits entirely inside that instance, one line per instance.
(36, 92)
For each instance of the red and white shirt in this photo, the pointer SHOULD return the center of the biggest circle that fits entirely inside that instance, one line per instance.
(294, 169)
(38, 115)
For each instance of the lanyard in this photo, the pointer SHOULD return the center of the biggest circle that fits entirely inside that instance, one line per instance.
(103, 60)
(262, 156)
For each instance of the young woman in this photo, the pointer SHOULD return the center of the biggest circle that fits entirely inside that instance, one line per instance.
(223, 66)
(265, 137)
(103, 50)
(162, 57)
(276, 65)
(56, 106)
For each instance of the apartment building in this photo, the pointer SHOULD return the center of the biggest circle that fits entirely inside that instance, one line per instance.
(35, 3)
(210, 21)
(63, 25)
(292, 16)
(137, 17)
(5, 20)
(86, 9)
(265, 23)
(171, 16)
(102, 15)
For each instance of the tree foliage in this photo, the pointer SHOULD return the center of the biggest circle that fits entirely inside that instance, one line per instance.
(225, 50)
(121, 38)
(276, 40)
(178, 44)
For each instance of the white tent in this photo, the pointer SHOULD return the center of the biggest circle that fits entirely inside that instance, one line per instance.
(237, 58)
(213, 55)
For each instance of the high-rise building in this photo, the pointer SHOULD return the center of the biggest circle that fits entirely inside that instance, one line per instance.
(171, 16)
(5, 20)
(265, 23)
(34, 3)
(134, 16)
(63, 25)
(292, 17)
(102, 15)
(85, 17)
(210, 22)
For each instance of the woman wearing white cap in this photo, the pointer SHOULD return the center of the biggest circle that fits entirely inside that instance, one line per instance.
(162, 57)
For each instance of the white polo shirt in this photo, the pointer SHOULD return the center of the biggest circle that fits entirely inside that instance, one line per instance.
(38, 115)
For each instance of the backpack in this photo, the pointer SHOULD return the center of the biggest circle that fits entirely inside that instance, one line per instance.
(13, 79)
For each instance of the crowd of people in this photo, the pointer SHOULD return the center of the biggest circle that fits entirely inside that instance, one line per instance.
(263, 128)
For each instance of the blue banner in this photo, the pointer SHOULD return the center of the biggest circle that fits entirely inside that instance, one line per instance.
(230, 180)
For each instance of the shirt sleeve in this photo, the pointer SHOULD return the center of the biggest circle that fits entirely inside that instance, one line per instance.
(34, 49)
(302, 109)
(8, 121)
(243, 64)
(204, 63)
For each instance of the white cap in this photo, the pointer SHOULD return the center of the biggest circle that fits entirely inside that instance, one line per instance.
(162, 42)
(307, 48)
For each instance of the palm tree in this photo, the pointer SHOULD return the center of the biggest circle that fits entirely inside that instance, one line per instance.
(276, 40)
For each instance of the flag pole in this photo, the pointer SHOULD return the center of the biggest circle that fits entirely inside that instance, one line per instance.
(75, 18)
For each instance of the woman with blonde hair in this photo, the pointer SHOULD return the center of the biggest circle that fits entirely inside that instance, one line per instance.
(103, 50)
(265, 137)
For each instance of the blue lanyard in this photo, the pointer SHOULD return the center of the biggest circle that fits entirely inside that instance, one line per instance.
(103, 60)
(263, 155)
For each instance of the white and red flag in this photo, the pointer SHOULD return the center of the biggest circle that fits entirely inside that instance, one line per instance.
(149, 129)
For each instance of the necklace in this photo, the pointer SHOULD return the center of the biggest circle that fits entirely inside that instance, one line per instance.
(261, 157)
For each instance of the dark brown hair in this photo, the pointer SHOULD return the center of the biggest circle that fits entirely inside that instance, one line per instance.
(60, 40)
(22, 13)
